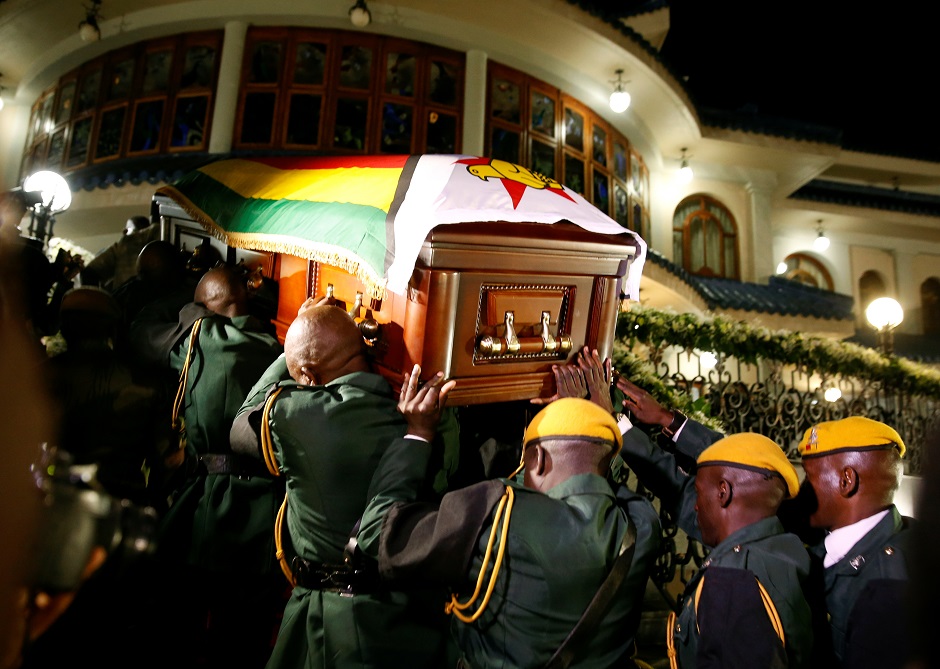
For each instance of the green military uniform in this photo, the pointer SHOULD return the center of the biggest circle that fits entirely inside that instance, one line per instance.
(228, 507)
(547, 577)
(215, 547)
(731, 622)
(865, 596)
(328, 441)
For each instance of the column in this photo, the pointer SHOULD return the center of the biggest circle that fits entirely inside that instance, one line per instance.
(226, 92)
(762, 264)
(907, 292)
(474, 103)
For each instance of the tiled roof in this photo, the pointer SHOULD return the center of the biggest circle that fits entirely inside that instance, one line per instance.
(869, 197)
(135, 171)
(748, 120)
(778, 296)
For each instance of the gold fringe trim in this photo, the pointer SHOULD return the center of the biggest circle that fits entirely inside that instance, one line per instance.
(328, 254)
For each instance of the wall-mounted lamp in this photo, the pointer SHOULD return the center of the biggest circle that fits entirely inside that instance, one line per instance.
(56, 196)
(88, 29)
(821, 243)
(685, 172)
(359, 14)
(884, 314)
(619, 99)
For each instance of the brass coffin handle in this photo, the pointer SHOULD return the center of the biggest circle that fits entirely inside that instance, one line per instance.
(510, 344)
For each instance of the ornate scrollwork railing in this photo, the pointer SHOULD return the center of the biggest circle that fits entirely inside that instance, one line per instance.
(778, 399)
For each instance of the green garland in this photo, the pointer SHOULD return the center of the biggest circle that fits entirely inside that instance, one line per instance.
(750, 343)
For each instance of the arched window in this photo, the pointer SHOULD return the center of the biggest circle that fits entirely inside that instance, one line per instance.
(807, 270)
(704, 237)
(870, 287)
(930, 305)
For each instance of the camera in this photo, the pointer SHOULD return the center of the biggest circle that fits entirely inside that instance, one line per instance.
(77, 515)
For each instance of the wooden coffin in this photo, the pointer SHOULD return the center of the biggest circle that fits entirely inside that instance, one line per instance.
(492, 305)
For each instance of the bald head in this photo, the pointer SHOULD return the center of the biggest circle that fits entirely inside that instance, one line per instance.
(322, 344)
(159, 262)
(223, 291)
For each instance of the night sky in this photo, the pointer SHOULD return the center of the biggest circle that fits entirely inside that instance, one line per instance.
(870, 74)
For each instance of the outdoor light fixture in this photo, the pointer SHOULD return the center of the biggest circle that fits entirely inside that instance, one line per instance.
(56, 196)
(884, 314)
(832, 394)
(359, 14)
(88, 29)
(685, 172)
(821, 243)
(708, 360)
(782, 267)
(619, 99)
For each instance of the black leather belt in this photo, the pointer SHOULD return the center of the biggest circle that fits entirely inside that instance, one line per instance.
(232, 464)
(334, 578)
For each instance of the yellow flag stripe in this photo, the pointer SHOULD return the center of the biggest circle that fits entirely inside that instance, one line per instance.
(372, 186)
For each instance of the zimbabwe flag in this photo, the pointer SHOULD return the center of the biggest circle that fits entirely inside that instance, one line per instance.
(369, 215)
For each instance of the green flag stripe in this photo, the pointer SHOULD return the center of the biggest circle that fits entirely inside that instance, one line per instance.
(328, 227)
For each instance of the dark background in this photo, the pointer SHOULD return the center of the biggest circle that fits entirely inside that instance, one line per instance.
(869, 70)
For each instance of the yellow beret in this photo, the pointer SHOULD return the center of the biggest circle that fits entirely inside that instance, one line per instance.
(749, 450)
(571, 417)
(855, 433)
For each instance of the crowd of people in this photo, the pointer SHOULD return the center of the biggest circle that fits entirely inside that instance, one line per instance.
(289, 508)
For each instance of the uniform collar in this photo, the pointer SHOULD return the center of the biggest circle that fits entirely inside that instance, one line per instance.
(839, 542)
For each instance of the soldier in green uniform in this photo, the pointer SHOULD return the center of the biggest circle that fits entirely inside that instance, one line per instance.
(853, 469)
(216, 538)
(560, 531)
(324, 431)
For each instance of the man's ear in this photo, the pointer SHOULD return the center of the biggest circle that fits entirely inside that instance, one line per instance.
(725, 493)
(848, 482)
(308, 377)
(540, 457)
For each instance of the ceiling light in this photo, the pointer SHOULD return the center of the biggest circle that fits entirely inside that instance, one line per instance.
(685, 172)
(359, 14)
(782, 267)
(88, 29)
(821, 243)
(619, 99)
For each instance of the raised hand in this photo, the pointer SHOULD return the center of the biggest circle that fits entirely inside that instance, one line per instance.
(569, 382)
(422, 406)
(597, 376)
(642, 405)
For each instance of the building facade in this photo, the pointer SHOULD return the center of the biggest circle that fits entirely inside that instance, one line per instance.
(171, 84)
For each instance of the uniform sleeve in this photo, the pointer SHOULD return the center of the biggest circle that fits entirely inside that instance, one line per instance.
(415, 541)
(661, 474)
(245, 433)
(695, 438)
(735, 629)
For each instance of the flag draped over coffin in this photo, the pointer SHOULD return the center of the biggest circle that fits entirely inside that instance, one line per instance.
(370, 215)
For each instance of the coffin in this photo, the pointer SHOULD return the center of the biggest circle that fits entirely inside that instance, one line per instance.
(490, 301)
